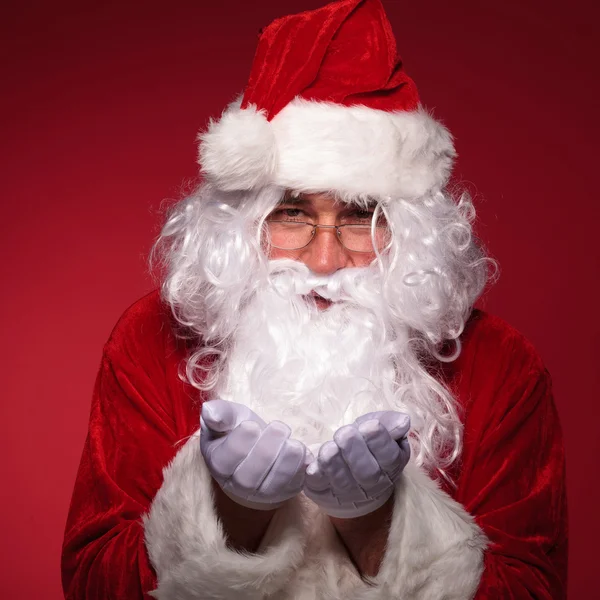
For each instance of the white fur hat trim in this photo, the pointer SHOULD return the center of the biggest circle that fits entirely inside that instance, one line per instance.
(309, 146)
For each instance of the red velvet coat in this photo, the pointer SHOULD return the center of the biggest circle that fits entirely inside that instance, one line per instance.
(511, 477)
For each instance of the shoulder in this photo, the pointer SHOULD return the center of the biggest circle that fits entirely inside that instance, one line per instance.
(489, 341)
(145, 331)
(140, 381)
(511, 426)
(499, 370)
(144, 319)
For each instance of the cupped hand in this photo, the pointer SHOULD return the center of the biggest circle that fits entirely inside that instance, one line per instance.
(256, 464)
(356, 473)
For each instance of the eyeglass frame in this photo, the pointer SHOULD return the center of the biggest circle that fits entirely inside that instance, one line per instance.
(337, 230)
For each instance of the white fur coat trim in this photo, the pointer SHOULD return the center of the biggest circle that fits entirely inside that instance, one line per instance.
(311, 146)
(187, 546)
(435, 548)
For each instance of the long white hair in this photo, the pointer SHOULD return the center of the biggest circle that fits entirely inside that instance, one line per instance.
(429, 277)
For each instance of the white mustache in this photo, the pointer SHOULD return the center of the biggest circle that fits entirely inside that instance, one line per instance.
(291, 277)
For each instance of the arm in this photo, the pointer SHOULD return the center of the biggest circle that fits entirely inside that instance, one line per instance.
(128, 442)
(353, 480)
(503, 535)
(140, 412)
(365, 538)
(190, 551)
(244, 527)
(515, 486)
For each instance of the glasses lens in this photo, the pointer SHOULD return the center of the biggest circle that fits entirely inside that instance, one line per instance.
(289, 235)
(358, 238)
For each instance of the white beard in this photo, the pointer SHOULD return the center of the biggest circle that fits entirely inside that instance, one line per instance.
(315, 370)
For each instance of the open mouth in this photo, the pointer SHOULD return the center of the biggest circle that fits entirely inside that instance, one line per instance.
(322, 303)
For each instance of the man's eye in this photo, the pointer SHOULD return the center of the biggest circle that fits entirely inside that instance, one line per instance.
(360, 216)
(286, 214)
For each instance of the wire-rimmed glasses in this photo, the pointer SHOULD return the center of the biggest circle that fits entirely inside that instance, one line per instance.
(355, 237)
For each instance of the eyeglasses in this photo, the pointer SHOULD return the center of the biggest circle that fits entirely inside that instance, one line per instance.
(295, 235)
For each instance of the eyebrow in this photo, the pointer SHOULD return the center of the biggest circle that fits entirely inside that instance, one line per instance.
(302, 201)
(295, 200)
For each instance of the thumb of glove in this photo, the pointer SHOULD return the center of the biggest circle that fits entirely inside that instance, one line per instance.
(222, 416)
(219, 416)
(396, 423)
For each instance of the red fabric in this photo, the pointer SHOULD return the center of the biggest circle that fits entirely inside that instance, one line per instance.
(512, 473)
(511, 477)
(344, 52)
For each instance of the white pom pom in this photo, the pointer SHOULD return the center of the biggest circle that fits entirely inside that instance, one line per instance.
(239, 152)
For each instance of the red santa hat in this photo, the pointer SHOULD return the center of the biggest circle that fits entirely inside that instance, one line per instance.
(328, 107)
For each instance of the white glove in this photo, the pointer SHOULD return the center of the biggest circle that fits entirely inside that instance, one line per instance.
(356, 473)
(256, 464)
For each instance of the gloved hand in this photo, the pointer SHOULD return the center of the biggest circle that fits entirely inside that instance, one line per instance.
(355, 473)
(256, 464)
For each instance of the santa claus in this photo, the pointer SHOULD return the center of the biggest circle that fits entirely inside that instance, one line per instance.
(311, 408)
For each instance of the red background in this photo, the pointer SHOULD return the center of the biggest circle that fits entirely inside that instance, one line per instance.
(100, 106)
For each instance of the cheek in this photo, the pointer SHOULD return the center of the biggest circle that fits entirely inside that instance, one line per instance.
(354, 259)
(362, 260)
(276, 253)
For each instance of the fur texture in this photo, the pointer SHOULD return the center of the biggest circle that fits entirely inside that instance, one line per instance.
(435, 549)
(187, 546)
(318, 370)
(240, 150)
(318, 146)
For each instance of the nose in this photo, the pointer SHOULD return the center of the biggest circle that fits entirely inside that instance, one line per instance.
(325, 255)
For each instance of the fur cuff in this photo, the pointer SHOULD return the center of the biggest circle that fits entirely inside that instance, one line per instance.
(187, 546)
(435, 548)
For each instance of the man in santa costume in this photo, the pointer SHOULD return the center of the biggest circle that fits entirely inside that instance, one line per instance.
(311, 408)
